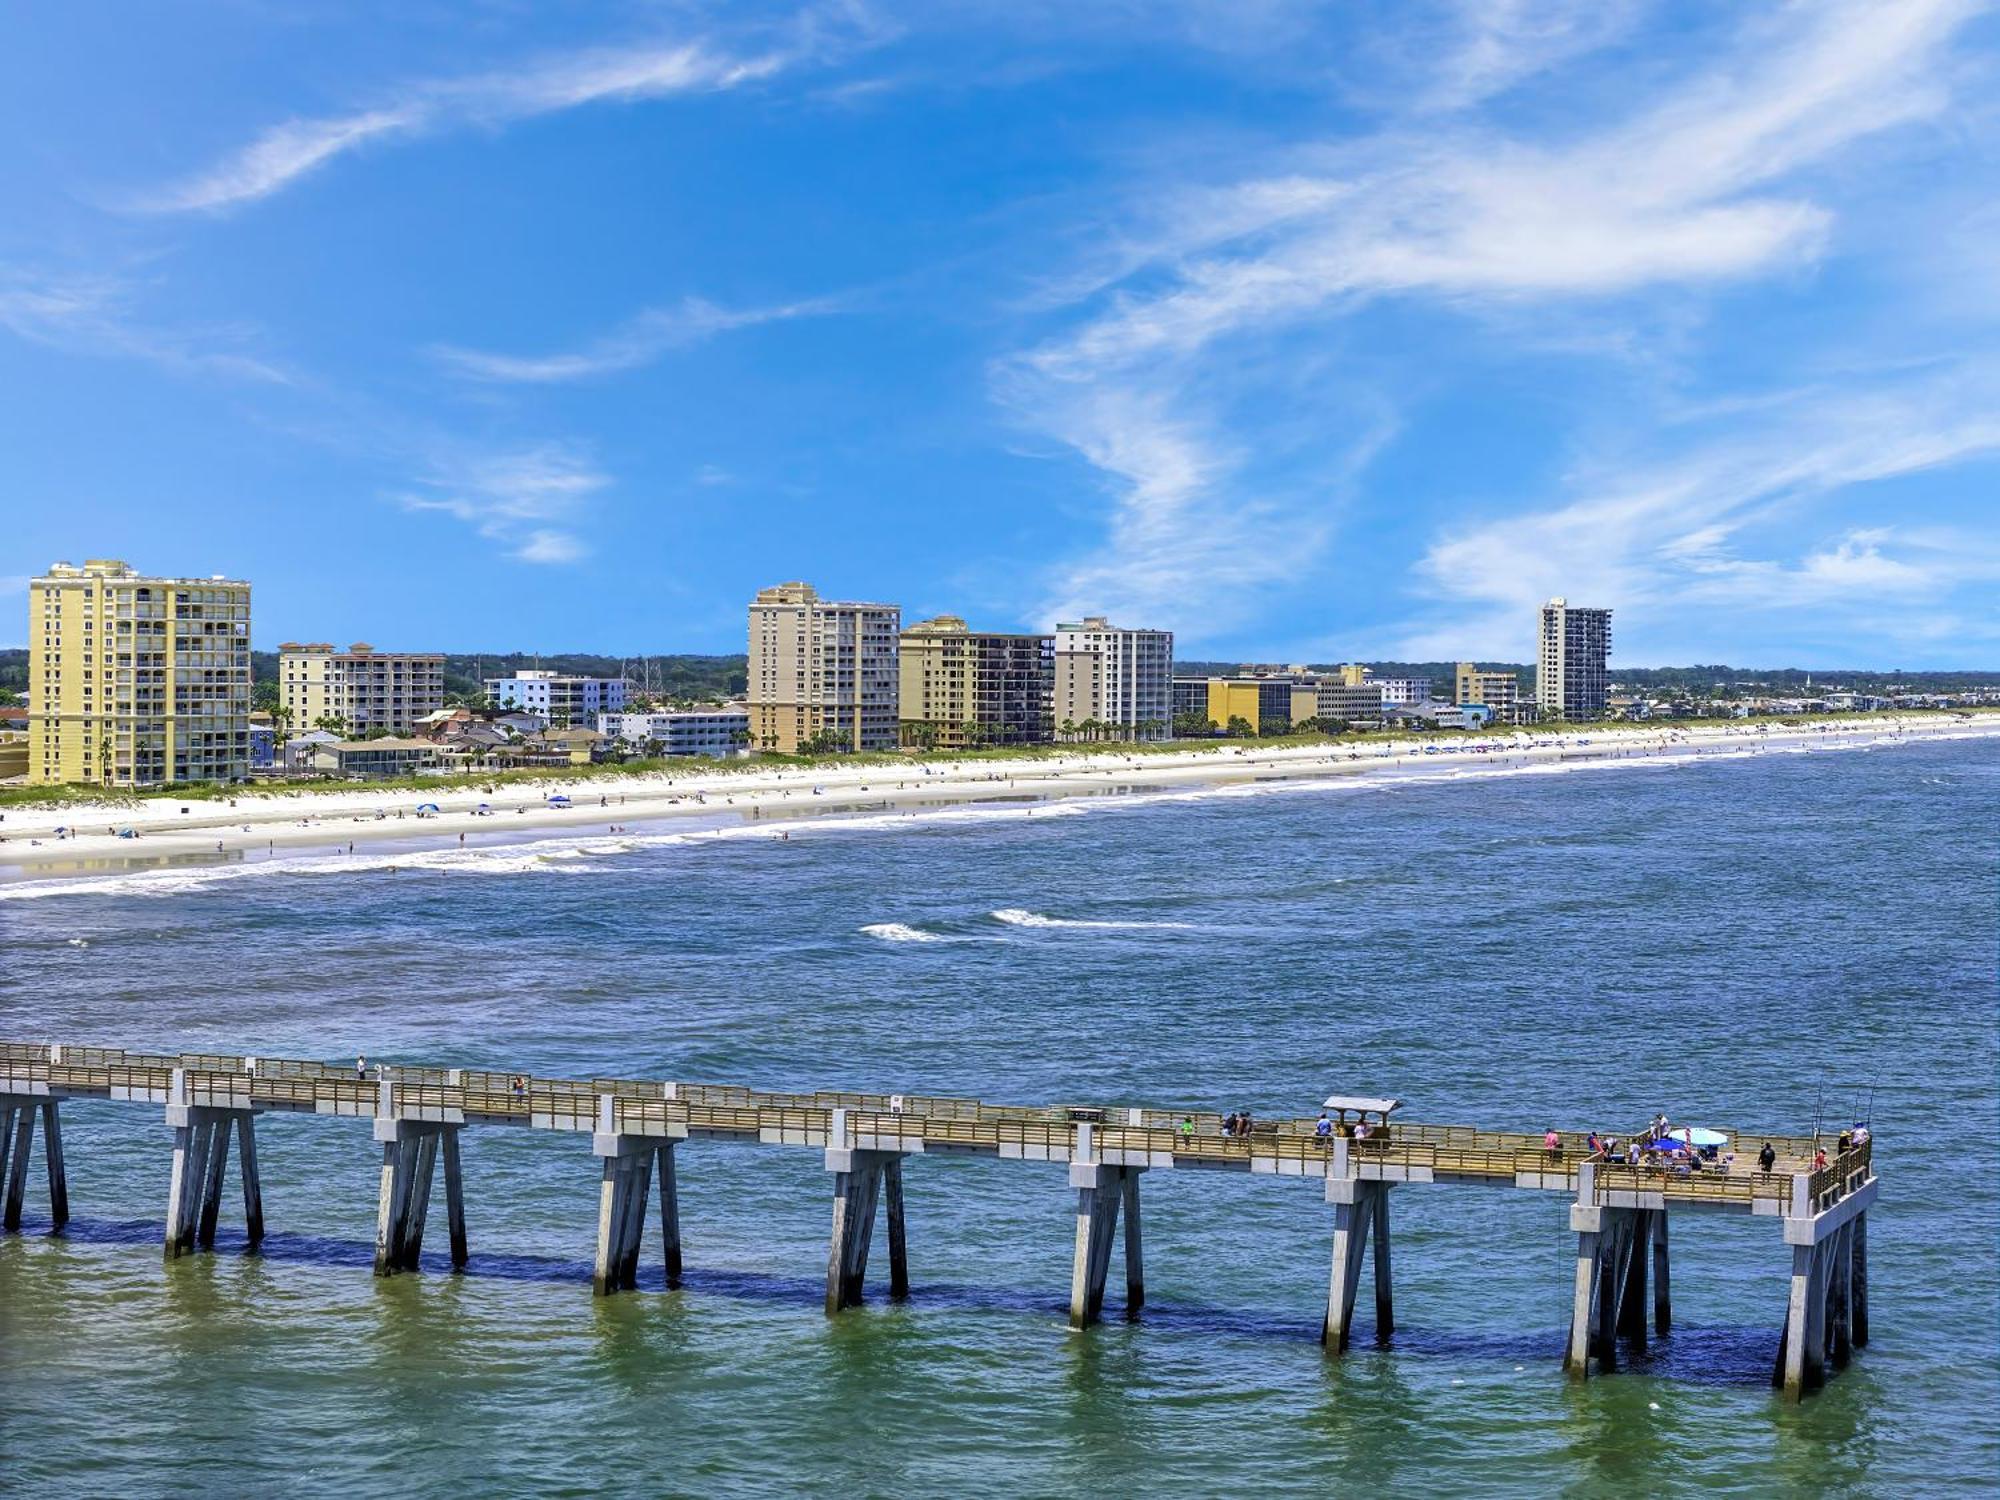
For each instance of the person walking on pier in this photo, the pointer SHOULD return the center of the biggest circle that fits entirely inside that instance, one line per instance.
(1767, 1158)
(1552, 1142)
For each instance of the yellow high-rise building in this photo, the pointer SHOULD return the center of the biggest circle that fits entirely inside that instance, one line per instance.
(137, 681)
(822, 672)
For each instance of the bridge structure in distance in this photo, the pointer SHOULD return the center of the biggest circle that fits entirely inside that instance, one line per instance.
(1618, 1213)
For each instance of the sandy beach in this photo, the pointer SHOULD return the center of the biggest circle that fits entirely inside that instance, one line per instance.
(57, 850)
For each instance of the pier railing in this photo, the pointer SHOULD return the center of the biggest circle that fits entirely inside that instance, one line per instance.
(1138, 1135)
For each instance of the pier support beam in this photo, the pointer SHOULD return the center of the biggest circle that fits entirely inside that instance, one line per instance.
(410, 1150)
(1613, 1246)
(630, 1164)
(17, 1132)
(1101, 1191)
(201, 1164)
(861, 1180)
(1360, 1215)
(1826, 1313)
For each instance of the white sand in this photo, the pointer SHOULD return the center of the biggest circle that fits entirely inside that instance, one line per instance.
(268, 825)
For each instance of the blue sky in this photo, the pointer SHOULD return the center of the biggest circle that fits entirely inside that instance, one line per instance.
(1307, 331)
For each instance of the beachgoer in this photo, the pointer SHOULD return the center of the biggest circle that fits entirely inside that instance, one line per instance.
(1363, 1130)
(1767, 1158)
(1187, 1125)
(1819, 1159)
(1552, 1142)
(1860, 1135)
(360, 1066)
(1596, 1146)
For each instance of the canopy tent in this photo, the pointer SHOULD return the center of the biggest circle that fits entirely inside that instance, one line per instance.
(1362, 1103)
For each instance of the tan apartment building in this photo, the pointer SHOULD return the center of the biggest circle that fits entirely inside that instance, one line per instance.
(1121, 679)
(822, 668)
(363, 688)
(962, 688)
(136, 680)
(1499, 691)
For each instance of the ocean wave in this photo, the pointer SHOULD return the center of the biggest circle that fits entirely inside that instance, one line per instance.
(897, 932)
(1015, 916)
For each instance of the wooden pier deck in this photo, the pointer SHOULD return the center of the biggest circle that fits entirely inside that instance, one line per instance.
(1618, 1211)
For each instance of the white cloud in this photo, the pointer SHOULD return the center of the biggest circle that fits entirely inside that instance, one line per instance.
(643, 339)
(1678, 538)
(284, 153)
(513, 498)
(95, 315)
(1695, 187)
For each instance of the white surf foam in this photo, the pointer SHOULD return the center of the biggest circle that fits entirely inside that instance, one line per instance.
(1015, 916)
(897, 932)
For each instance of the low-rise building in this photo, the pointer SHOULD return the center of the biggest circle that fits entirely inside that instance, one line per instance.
(1499, 691)
(373, 760)
(718, 731)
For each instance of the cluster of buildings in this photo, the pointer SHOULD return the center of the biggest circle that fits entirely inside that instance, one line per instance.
(138, 680)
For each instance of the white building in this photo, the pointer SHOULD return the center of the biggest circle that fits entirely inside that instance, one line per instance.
(1120, 678)
(560, 701)
(1572, 681)
(1403, 692)
(723, 730)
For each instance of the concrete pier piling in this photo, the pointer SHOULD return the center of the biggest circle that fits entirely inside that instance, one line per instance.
(1102, 1190)
(1826, 1314)
(863, 1177)
(18, 1114)
(631, 1162)
(1360, 1216)
(202, 1133)
(410, 1152)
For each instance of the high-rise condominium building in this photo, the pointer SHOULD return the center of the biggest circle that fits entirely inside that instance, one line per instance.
(137, 681)
(1119, 679)
(961, 688)
(566, 702)
(1571, 681)
(822, 671)
(1499, 691)
(363, 688)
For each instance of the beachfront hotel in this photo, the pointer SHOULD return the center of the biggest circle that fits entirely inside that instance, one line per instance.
(1119, 679)
(1499, 691)
(364, 689)
(962, 688)
(1572, 681)
(136, 680)
(559, 701)
(822, 672)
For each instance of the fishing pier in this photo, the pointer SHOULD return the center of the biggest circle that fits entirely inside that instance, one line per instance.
(1618, 1212)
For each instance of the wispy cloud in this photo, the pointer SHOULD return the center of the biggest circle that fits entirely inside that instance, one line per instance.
(1730, 527)
(284, 153)
(517, 499)
(98, 315)
(1700, 185)
(645, 338)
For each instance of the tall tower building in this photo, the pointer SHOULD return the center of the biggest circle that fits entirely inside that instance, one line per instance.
(1122, 679)
(963, 688)
(136, 681)
(821, 668)
(1571, 681)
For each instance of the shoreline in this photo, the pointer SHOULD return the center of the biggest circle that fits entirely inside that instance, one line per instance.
(257, 827)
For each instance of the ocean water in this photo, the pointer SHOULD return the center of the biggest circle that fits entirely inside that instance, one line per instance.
(1746, 942)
